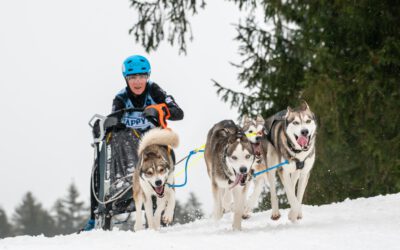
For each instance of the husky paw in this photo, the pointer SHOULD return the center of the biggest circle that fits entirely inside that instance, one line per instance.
(237, 226)
(227, 208)
(247, 212)
(138, 227)
(245, 216)
(293, 215)
(218, 215)
(167, 219)
(275, 216)
(300, 216)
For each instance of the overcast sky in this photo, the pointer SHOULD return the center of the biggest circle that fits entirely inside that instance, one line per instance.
(60, 63)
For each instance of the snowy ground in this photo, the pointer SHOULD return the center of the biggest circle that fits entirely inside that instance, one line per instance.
(372, 223)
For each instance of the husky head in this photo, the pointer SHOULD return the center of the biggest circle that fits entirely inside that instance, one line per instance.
(255, 131)
(301, 127)
(239, 158)
(156, 168)
(156, 164)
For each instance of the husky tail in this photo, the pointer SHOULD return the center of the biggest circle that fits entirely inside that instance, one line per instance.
(159, 136)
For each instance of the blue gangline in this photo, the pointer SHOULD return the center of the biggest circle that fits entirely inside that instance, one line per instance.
(186, 166)
(269, 169)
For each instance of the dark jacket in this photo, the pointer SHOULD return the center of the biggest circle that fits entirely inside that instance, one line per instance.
(156, 93)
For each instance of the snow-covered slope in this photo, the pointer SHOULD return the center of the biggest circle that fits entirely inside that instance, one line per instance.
(372, 223)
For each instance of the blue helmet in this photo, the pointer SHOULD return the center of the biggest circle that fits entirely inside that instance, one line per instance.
(136, 65)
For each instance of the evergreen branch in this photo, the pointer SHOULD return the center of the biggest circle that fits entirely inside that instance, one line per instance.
(154, 18)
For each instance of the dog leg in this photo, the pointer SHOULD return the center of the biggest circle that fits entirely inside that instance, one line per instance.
(239, 195)
(254, 196)
(148, 208)
(227, 200)
(304, 176)
(294, 203)
(217, 194)
(169, 209)
(157, 214)
(138, 214)
(294, 177)
(301, 189)
(274, 198)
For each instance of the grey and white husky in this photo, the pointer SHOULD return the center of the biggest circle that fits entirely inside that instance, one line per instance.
(256, 132)
(229, 158)
(155, 170)
(291, 137)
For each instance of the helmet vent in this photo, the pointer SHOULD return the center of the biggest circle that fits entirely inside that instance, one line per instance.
(143, 68)
(129, 61)
(129, 69)
(142, 60)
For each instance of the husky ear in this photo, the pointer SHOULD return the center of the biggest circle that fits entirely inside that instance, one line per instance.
(288, 111)
(223, 132)
(304, 105)
(260, 118)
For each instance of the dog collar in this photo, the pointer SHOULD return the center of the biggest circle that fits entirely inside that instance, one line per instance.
(299, 164)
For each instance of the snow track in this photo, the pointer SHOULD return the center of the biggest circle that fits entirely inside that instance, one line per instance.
(364, 223)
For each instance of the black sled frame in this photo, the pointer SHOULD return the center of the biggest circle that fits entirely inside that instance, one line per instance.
(111, 187)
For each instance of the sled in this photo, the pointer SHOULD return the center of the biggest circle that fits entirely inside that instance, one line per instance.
(115, 158)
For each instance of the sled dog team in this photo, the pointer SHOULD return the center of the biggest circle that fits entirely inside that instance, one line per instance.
(232, 154)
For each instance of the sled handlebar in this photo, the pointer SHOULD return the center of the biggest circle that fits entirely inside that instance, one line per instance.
(102, 119)
(110, 120)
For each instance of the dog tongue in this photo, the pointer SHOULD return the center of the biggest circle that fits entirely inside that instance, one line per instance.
(302, 141)
(256, 148)
(239, 177)
(159, 190)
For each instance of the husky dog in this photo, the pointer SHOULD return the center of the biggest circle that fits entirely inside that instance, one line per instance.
(256, 132)
(155, 170)
(292, 137)
(229, 158)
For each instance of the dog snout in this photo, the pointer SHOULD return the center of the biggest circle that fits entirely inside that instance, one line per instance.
(304, 132)
(243, 170)
(258, 138)
(158, 183)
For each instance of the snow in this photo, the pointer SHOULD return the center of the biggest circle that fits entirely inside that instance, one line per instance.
(364, 223)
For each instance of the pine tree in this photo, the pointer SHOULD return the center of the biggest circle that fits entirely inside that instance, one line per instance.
(188, 212)
(179, 213)
(70, 214)
(192, 209)
(31, 219)
(264, 202)
(5, 226)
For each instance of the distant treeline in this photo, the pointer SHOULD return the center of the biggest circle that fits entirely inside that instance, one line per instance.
(69, 214)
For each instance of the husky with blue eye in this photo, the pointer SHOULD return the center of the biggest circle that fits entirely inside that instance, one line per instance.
(291, 136)
(155, 170)
(229, 158)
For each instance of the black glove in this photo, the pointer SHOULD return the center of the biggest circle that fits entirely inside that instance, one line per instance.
(113, 125)
(152, 115)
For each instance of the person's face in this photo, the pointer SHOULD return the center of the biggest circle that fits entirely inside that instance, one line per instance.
(137, 83)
